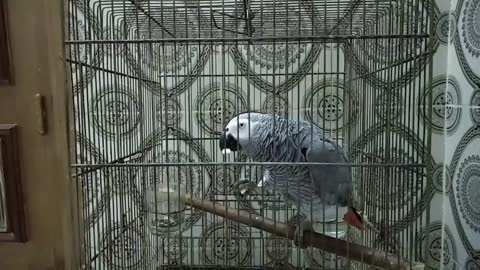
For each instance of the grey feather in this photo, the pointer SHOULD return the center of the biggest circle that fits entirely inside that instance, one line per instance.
(281, 140)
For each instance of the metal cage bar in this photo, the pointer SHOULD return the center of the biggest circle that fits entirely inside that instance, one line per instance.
(155, 82)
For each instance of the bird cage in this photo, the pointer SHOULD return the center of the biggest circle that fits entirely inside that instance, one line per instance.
(154, 82)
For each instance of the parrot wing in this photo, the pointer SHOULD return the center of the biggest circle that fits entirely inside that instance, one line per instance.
(332, 183)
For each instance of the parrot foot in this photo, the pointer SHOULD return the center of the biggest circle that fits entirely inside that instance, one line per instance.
(298, 236)
(246, 187)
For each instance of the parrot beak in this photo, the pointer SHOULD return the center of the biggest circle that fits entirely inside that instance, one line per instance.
(228, 142)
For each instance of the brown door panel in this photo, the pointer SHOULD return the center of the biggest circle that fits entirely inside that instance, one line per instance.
(35, 30)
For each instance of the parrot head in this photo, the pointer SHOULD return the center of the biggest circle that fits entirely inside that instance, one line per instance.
(240, 131)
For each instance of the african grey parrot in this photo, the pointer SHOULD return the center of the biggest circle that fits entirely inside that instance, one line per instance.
(318, 189)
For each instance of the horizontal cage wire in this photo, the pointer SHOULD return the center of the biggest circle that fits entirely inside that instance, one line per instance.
(155, 84)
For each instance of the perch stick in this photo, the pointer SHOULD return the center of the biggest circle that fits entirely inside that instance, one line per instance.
(336, 246)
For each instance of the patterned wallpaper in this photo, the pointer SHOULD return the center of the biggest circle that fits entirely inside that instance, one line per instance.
(459, 61)
(143, 103)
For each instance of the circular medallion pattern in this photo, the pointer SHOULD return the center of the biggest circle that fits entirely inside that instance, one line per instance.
(175, 249)
(125, 247)
(330, 105)
(169, 58)
(277, 104)
(464, 158)
(122, 179)
(446, 27)
(276, 57)
(320, 259)
(441, 174)
(83, 27)
(278, 249)
(468, 191)
(471, 264)
(181, 149)
(169, 111)
(445, 98)
(289, 62)
(387, 241)
(226, 244)
(467, 41)
(94, 182)
(216, 105)
(114, 49)
(475, 109)
(440, 245)
(225, 180)
(166, 67)
(115, 111)
(373, 63)
(408, 183)
(392, 104)
(471, 27)
(386, 50)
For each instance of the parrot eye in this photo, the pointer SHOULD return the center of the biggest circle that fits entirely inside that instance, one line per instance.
(242, 124)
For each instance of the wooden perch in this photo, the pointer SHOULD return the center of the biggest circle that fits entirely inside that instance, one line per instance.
(370, 256)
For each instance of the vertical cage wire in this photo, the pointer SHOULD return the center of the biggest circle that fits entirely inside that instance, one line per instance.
(155, 81)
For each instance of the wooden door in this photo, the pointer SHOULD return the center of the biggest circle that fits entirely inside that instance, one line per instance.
(35, 39)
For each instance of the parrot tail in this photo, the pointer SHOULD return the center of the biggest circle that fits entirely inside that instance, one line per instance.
(353, 218)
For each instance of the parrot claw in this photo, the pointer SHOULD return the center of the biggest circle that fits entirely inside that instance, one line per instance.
(246, 187)
(298, 236)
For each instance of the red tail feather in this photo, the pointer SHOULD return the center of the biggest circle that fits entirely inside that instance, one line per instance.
(354, 219)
